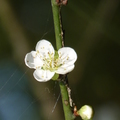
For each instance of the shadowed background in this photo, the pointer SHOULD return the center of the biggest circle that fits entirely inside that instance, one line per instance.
(92, 28)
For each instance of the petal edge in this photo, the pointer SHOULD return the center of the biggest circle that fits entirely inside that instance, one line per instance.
(32, 60)
(43, 75)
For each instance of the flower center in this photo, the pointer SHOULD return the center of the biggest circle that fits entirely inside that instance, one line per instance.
(51, 63)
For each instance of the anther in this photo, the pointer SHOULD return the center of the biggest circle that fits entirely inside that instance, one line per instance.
(67, 58)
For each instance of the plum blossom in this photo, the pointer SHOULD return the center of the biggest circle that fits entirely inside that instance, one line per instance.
(46, 61)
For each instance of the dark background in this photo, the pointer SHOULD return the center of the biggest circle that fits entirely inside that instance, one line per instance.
(92, 28)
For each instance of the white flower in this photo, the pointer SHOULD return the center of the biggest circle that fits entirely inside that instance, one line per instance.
(46, 61)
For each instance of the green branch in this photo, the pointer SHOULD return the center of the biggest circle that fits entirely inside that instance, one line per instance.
(57, 25)
(65, 100)
(58, 35)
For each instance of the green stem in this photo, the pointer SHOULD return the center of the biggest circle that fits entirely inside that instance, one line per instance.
(65, 100)
(57, 24)
(58, 35)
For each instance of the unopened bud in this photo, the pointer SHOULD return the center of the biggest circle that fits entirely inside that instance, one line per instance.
(85, 112)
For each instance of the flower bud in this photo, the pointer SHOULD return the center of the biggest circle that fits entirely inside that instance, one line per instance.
(85, 112)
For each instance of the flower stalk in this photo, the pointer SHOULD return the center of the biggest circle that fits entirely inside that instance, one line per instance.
(58, 35)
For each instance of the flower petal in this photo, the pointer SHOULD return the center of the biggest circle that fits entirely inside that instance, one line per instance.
(32, 60)
(43, 75)
(64, 70)
(45, 48)
(67, 55)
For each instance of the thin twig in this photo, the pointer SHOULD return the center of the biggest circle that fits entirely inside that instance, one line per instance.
(65, 90)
